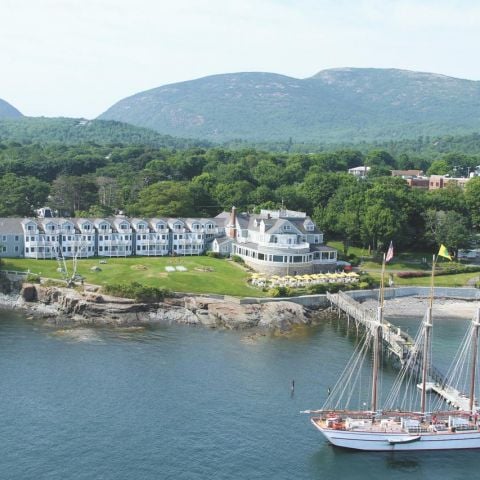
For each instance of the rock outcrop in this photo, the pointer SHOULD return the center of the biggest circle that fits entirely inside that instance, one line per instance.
(68, 305)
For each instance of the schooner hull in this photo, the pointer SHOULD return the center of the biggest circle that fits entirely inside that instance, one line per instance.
(388, 442)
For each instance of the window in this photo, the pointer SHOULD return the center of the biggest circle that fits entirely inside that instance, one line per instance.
(4, 238)
(16, 248)
(287, 228)
(16, 238)
(124, 226)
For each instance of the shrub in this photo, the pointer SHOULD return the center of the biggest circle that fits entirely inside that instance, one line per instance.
(317, 289)
(214, 254)
(32, 278)
(238, 259)
(137, 291)
(412, 274)
(445, 269)
(279, 292)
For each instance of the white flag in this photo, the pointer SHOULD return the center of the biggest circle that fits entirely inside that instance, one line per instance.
(389, 255)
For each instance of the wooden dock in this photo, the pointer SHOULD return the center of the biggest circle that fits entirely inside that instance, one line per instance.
(398, 343)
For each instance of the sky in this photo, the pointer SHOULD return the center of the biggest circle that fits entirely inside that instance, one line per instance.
(76, 58)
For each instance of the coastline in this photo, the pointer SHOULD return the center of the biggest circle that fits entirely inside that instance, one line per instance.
(63, 306)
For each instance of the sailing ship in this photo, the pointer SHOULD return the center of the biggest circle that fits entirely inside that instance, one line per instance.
(409, 419)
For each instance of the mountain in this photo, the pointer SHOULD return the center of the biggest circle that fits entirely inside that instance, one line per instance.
(72, 131)
(347, 104)
(8, 111)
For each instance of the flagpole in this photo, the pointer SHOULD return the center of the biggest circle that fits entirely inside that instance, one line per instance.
(382, 283)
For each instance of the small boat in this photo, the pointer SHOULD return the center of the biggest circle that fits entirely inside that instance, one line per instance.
(405, 422)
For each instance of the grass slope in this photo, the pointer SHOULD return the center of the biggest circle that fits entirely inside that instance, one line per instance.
(203, 275)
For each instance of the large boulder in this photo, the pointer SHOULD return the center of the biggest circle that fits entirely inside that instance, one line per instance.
(29, 292)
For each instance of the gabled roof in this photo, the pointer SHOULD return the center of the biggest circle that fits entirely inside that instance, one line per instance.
(11, 225)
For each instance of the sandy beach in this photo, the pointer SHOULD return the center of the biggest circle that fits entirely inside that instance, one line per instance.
(416, 306)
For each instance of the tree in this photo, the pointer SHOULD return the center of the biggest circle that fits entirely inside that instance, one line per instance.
(379, 158)
(70, 194)
(472, 198)
(447, 228)
(318, 188)
(164, 199)
(20, 196)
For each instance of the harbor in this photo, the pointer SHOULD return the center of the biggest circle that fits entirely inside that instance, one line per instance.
(399, 345)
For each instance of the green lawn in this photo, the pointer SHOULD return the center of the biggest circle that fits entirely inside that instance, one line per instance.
(357, 251)
(203, 275)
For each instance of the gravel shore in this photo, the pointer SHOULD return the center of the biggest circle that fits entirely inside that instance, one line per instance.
(416, 306)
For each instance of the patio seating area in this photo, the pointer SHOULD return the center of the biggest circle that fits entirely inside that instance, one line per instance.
(299, 281)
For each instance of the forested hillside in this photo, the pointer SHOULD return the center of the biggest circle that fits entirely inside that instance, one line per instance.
(335, 105)
(93, 180)
(74, 131)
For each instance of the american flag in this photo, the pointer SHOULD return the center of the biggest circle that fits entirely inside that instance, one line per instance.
(389, 255)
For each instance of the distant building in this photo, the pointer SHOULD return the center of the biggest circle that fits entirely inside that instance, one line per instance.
(359, 171)
(441, 181)
(407, 173)
(418, 182)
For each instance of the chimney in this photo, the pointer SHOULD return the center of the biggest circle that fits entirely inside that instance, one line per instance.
(231, 227)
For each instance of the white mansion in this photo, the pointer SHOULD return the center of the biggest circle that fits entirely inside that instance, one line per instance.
(279, 241)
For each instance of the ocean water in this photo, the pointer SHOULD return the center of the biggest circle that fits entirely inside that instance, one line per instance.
(183, 403)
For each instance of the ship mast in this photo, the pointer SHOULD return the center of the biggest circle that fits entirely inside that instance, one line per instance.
(427, 326)
(476, 326)
(377, 340)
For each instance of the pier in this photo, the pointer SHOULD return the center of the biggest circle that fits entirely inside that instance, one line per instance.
(398, 343)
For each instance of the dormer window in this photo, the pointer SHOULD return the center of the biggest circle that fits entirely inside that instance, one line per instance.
(124, 226)
(287, 228)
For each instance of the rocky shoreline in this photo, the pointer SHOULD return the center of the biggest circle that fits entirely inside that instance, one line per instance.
(69, 306)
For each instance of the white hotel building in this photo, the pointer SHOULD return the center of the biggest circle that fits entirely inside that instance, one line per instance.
(274, 241)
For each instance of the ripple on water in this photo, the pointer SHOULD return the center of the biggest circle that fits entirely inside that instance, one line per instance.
(88, 335)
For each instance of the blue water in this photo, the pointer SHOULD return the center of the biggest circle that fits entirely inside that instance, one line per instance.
(181, 403)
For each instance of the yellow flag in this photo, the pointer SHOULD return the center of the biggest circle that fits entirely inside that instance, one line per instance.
(443, 252)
